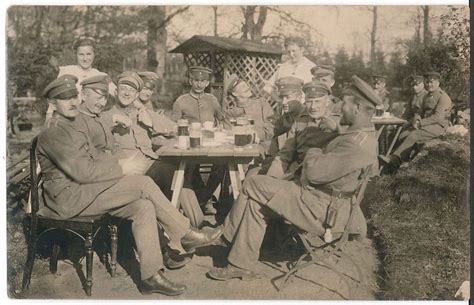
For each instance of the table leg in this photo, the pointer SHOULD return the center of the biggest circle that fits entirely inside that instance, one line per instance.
(235, 180)
(395, 139)
(178, 182)
(379, 132)
(240, 168)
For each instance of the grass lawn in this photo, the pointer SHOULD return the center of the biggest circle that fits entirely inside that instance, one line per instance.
(420, 221)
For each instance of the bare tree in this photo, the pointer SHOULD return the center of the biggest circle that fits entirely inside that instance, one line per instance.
(157, 35)
(426, 24)
(214, 8)
(251, 29)
(373, 37)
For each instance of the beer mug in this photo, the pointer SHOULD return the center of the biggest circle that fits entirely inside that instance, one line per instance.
(379, 110)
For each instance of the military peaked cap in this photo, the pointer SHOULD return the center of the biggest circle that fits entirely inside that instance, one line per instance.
(132, 79)
(63, 87)
(99, 84)
(363, 91)
(315, 90)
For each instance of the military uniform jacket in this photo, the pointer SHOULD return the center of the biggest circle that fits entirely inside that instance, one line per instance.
(413, 107)
(98, 130)
(384, 96)
(258, 110)
(336, 167)
(435, 109)
(202, 108)
(138, 136)
(74, 172)
(303, 134)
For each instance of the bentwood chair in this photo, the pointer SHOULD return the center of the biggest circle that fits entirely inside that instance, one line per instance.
(327, 253)
(86, 228)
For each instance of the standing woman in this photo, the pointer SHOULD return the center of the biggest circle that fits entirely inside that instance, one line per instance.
(85, 54)
(296, 65)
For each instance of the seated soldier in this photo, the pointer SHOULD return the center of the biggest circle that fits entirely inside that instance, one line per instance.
(379, 84)
(90, 121)
(315, 127)
(418, 85)
(149, 85)
(131, 128)
(199, 106)
(324, 73)
(241, 103)
(80, 180)
(289, 107)
(430, 120)
(328, 175)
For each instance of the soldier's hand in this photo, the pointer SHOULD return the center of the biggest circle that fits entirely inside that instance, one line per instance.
(415, 123)
(145, 117)
(328, 123)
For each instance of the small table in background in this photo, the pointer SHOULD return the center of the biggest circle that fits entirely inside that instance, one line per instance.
(226, 154)
(380, 125)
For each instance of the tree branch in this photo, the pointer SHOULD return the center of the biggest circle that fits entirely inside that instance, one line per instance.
(172, 15)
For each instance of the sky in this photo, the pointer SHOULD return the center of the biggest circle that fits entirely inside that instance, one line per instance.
(337, 26)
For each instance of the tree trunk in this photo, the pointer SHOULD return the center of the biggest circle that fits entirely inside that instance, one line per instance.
(39, 14)
(215, 20)
(373, 37)
(156, 40)
(250, 29)
(426, 25)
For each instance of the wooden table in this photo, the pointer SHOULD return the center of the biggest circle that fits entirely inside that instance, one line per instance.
(226, 154)
(380, 124)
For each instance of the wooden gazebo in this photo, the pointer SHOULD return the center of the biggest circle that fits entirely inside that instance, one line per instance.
(252, 61)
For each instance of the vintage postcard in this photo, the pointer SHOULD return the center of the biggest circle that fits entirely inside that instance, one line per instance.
(237, 152)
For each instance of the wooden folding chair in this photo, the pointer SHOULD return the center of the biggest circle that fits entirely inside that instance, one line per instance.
(321, 254)
(85, 228)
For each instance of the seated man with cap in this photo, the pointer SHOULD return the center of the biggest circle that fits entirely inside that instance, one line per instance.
(149, 84)
(91, 122)
(160, 125)
(290, 107)
(131, 128)
(197, 106)
(328, 176)
(430, 120)
(315, 127)
(324, 73)
(419, 92)
(379, 85)
(241, 102)
(80, 180)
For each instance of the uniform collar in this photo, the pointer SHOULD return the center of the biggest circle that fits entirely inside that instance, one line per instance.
(57, 118)
(128, 109)
(83, 109)
(361, 129)
(194, 96)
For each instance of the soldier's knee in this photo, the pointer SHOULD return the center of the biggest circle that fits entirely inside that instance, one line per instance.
(145, 182)
(250, 183)
(143, 209)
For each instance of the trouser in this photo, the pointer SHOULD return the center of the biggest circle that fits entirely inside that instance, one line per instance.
(205, 191)
(162, 173)
(139, 199)
(247, 221)
(410, 137)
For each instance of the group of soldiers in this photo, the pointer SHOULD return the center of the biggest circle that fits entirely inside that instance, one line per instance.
(95, 161)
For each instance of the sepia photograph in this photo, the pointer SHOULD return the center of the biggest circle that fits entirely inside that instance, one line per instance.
(237, 152)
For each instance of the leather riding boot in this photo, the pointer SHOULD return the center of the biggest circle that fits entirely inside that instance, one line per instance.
(199, 238)
(173, 260)
(158, 283)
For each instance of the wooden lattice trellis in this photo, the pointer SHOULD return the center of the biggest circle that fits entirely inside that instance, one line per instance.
(254, 69)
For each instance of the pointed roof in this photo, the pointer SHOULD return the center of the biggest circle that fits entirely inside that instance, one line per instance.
(200, 43)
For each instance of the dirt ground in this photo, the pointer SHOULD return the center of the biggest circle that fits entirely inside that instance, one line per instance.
(313, 283)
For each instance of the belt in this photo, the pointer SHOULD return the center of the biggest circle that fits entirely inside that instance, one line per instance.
(334, 193)
(52, 176)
